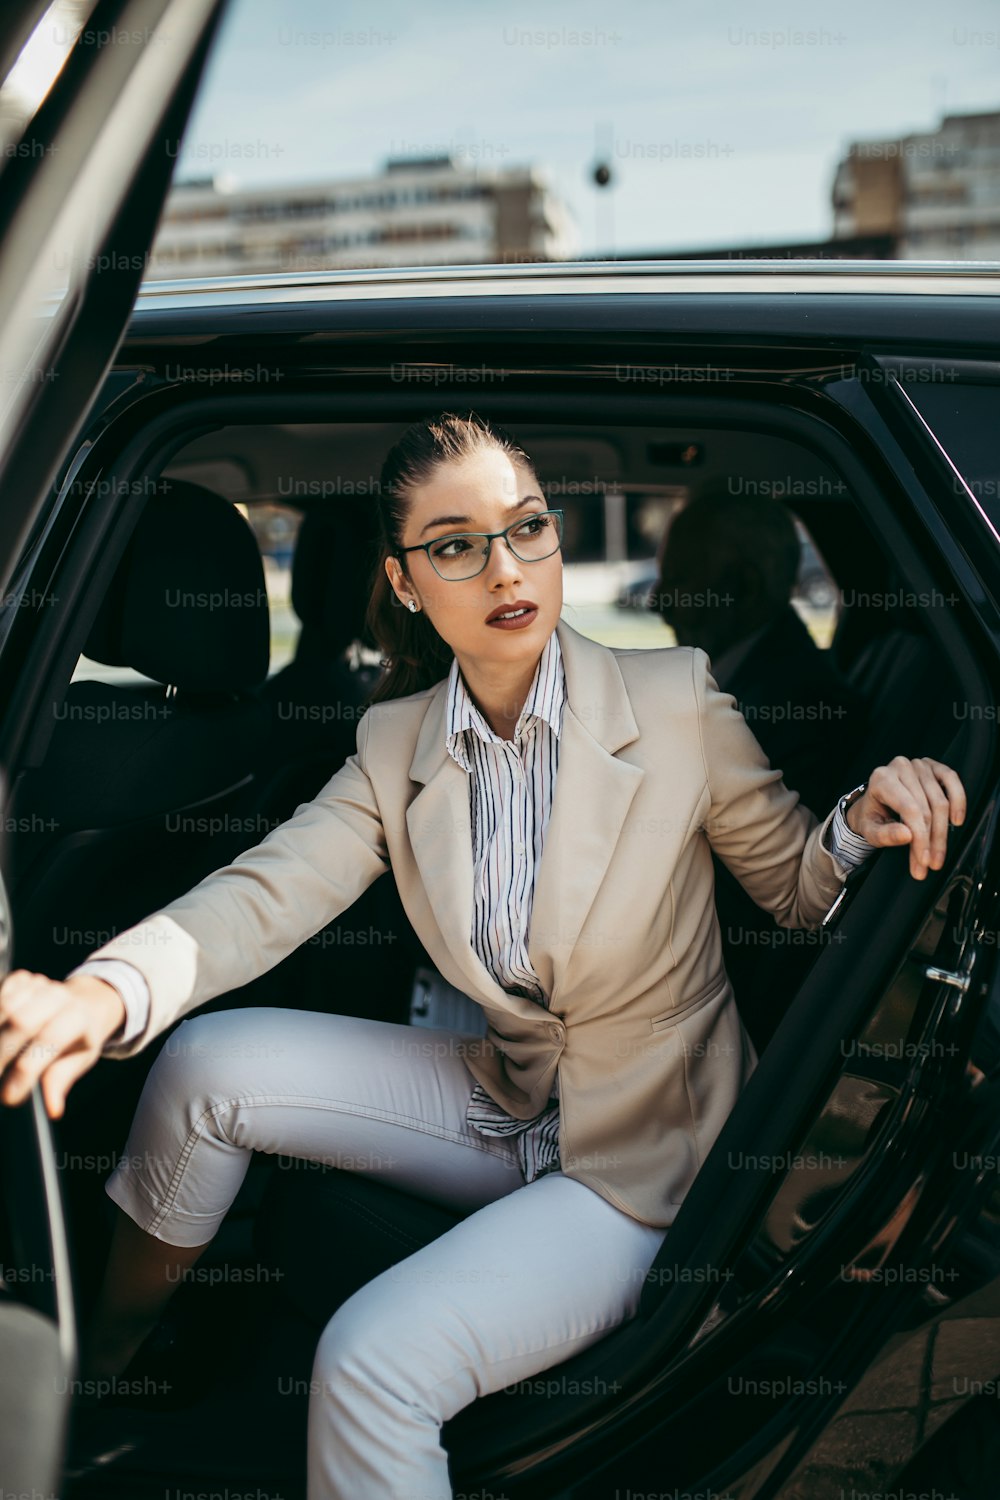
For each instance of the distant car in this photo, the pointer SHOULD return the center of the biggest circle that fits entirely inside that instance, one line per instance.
(813, 585)
(823, 1315)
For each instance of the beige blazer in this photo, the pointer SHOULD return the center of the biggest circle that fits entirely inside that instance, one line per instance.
(656, 765)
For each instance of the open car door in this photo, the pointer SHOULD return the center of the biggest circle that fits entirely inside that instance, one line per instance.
(94, 98)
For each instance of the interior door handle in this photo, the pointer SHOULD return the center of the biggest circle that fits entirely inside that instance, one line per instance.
(948, 976)
(957, 982)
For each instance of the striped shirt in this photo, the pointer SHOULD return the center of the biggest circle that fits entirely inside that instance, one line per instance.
(511, 783)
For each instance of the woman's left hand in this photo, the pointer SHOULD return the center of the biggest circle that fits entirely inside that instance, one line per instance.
(910, 802)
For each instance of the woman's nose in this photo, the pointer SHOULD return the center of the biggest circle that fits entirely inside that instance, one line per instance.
(501, 563)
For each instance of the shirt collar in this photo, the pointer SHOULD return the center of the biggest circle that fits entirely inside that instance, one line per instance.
(545, 699)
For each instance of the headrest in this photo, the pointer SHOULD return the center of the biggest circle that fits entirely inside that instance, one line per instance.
(188, 601)
(334, 554)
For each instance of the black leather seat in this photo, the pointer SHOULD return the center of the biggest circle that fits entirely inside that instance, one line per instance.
(363, 962)
(887, 657)
(898, 672)
(893, 667)
(118, 818)
(314, 703)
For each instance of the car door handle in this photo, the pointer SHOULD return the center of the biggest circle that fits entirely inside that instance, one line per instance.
(947, 976)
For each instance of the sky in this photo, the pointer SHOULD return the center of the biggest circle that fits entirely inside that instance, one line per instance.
(722, 123)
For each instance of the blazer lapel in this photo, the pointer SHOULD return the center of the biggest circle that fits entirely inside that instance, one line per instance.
(440, 828)
(593, 793)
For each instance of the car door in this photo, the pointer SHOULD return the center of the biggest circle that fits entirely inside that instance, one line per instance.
(37, 1335)
(93, 100)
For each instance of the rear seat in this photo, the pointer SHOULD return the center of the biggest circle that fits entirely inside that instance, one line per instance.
(900, 673)
(363, 962)
(116, 817)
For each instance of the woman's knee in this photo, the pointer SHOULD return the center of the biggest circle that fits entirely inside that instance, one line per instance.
(342, 1364)
(363, 1339)
(205, 1054)
(191, 1094)
(197, 1069)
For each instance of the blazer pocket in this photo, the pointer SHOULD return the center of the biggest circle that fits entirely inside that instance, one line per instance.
(707, 992)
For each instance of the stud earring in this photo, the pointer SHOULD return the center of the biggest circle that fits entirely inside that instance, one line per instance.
(411, 605)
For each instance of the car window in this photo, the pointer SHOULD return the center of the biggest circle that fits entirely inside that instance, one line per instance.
(619, 492)
(619, 489)
(276, 528)
(964, 415)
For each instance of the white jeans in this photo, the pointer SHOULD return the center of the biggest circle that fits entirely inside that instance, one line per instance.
(532, 1275)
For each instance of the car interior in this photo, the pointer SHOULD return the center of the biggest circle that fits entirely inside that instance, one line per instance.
(187, 733)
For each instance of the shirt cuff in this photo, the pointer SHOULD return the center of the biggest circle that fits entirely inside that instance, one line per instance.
(132, 987)
(846, 846)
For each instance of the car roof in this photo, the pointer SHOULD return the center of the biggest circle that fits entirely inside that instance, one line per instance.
(682, 278)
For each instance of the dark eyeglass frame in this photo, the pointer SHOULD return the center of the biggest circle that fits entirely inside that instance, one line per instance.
(489, 537)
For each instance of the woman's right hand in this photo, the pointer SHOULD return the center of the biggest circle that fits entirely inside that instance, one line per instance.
(52, 1031)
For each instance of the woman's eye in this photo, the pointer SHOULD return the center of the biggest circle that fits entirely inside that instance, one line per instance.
(532, 526)
(453, 547)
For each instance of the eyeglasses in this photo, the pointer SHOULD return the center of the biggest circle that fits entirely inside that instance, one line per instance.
(463, 554)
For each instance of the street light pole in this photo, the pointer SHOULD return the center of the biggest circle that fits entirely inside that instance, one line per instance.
(602, 177)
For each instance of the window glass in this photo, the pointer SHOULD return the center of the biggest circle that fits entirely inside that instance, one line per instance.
(965, 418)
(619, 489)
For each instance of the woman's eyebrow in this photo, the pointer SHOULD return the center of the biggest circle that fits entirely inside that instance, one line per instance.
(464, 520)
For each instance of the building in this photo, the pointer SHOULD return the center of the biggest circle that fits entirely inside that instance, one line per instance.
(934, 195)
(937, 192)
(424, 211)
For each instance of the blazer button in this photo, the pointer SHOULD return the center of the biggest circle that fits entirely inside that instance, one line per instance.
(555, 1031)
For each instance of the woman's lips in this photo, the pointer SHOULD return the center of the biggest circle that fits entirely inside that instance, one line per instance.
(517, 623)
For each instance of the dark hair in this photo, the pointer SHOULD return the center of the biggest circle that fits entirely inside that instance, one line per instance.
(414, 654)
(740, 534)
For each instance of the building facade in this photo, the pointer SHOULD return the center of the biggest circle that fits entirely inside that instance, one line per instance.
(429, 211)
(937, 192)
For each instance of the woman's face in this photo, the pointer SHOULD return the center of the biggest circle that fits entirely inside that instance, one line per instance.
(484, 492)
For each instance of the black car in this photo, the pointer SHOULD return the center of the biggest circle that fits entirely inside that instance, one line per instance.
(824, 1316)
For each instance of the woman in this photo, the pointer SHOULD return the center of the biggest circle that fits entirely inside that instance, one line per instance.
(614, 1051)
